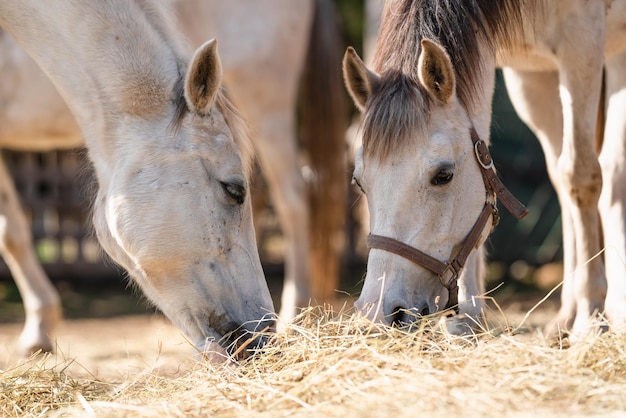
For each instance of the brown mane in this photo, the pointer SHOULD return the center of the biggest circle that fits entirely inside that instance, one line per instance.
(398, 106)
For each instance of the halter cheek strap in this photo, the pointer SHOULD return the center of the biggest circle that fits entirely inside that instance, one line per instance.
(493, 184)
(448, 272)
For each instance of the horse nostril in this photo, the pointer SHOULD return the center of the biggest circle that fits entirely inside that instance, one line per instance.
(254, 335)
(398, 317)
(402, 317)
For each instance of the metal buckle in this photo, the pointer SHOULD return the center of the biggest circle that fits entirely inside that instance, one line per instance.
(453, 275)
(488, 164)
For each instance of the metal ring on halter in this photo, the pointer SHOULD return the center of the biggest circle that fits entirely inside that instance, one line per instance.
(480, 155)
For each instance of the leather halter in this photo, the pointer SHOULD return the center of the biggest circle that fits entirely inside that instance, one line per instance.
(448, 272)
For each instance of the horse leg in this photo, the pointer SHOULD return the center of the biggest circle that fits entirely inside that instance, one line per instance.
(581, 175)
(535, 96)
(42, 304)
(613, 196)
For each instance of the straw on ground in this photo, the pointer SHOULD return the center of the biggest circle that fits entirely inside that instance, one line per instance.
(336, 364)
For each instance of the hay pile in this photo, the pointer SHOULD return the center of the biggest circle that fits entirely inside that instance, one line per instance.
(334, 364)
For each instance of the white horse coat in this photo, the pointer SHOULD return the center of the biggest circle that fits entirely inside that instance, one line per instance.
(171, 156)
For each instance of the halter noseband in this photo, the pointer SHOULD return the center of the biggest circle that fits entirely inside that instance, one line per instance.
(448, 273)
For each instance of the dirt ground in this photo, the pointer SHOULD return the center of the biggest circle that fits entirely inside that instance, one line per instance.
(110, 348)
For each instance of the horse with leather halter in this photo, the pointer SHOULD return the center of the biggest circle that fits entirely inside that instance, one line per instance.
(430, 90)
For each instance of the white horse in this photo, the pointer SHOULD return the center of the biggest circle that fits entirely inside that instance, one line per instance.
(428, 176)
(263, 46)
(171, 157)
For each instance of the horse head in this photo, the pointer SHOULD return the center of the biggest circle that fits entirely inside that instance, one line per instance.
(176, 212)
(423, 186)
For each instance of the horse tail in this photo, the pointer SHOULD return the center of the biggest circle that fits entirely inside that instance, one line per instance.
(323, 122)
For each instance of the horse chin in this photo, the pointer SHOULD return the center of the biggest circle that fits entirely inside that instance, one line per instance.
(213, 352)
(459, 325)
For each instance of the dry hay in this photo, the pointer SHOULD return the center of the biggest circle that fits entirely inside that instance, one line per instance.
(335, 364)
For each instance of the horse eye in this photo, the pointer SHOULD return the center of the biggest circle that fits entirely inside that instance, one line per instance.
(356, 181)
(442, 177)
(234, 191)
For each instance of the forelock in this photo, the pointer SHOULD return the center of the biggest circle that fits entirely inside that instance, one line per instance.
(395, 115)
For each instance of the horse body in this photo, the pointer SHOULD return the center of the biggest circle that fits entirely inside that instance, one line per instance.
(420, 106)
(172, 161)
(25, 102)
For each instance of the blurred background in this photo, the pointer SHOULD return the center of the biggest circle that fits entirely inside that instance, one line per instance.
(56, 188)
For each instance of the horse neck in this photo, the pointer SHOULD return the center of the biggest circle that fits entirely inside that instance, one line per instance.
(109, 60)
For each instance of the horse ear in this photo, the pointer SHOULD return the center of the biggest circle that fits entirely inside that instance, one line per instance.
(358, 78)
(436, 72)
(203, 78)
